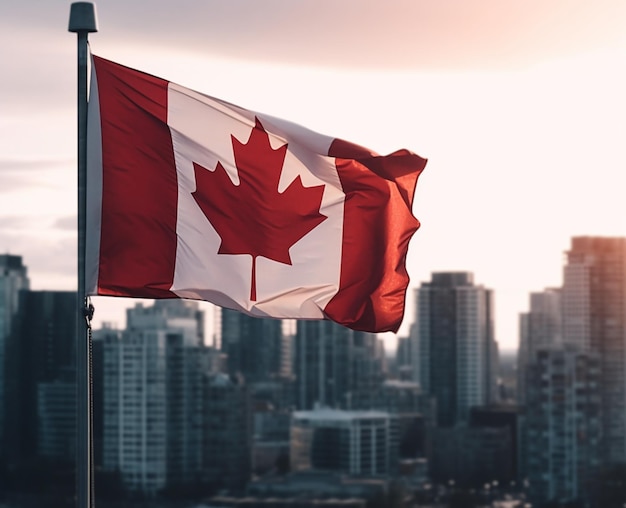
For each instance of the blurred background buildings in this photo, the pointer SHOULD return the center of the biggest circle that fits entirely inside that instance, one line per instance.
(312, 410)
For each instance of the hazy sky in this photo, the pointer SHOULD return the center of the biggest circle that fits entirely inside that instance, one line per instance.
(519, 106)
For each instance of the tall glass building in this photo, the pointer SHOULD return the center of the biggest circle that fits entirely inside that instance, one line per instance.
(13, 278)
(455, 351)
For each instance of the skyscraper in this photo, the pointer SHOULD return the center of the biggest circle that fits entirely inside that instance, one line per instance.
(334, 366)
(41, 394)
(563, 415)
(322, 364)
(13, 278)
(227, 433)
(594, 317)
(153, 397)
(456, 354)
(540, 327)
(255, 347)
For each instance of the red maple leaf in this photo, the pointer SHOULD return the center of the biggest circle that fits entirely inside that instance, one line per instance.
(253, 217)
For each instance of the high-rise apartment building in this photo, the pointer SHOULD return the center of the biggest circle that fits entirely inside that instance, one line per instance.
(335, 366)
(256, 347)
(153, 397)
(455, 353)
(56, 417)
(13, 278)
(573, 372)
(322, 364)
(594, 318)
(562, 439)
(227, 433)
(540, 327)
(42, 345)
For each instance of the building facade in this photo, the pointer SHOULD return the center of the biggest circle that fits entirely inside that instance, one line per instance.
(355, 442)
(152, 393)
(594, 318)
(335, 366)
(42, 348)
(227, 433)
(13, 278)
(455, 353)
(540, 327)
(562, 442)
(255, 347)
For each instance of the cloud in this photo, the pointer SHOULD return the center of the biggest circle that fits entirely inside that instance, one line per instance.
(394, 34)
(414, 34)
(37, 225)
(14, 223)
(66, 223)
(30, 174)
(11, 183)
(19, 166)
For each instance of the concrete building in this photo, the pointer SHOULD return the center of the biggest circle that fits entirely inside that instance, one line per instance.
(404, 358)
(368, 370)
(540, 327)
(256, 347)
(226, 433)
(335, 366)
(594, 317)
(354, 442)
(13, 278)
(42, 349)
(455, 353)
(153, 397)
(56, 412)
(562, 443)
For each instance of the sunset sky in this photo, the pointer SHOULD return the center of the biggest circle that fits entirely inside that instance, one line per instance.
(519, 105)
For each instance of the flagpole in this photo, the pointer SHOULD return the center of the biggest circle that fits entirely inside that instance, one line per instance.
(82, 22)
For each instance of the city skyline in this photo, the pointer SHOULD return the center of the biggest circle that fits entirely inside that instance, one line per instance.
(519, 110)
(175, 418)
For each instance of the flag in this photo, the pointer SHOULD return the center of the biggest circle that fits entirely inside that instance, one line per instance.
(191, 197)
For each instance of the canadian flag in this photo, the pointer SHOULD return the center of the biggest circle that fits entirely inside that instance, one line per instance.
(192, 197)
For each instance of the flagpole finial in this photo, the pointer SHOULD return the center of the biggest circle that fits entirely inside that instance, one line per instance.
(83, 17)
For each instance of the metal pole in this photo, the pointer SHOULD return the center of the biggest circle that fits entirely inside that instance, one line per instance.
(82, 21)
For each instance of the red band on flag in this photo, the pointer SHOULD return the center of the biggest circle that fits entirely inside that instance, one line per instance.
(138, 235)
(378, 226)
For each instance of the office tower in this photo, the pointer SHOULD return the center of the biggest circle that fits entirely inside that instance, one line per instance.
(153, 397)
(227, 433)
(456, 351)
(354, 442)
(404, 359)
(56, 413)
(255, 347)
(539, 327)
(99, 337)
(42, 374)
(335, 366)
(13, 278)
(594, 317)
(322, 364)
(563, 424)
(368, 370)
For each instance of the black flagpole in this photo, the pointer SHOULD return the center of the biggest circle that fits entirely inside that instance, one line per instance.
(82, 22)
